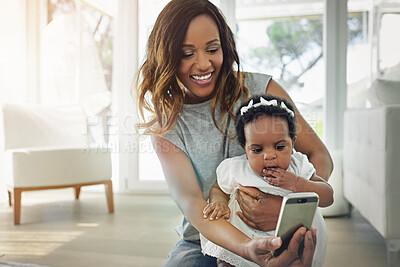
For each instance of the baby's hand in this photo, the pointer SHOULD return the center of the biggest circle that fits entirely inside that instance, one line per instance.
(217, 210)
(281, 178)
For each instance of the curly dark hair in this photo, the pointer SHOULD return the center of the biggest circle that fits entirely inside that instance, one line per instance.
(255, 112)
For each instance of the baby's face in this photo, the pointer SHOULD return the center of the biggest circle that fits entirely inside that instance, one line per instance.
(268, 143)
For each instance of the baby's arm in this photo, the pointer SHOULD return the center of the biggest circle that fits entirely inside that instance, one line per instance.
(318, 185)
(290, 181)
(218, 206)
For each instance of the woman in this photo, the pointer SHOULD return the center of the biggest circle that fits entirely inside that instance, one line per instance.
(189, 74)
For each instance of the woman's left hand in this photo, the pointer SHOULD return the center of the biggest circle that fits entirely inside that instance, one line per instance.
(259, 210)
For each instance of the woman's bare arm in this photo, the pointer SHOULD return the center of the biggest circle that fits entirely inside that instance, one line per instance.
(185, 191)
(307, 140)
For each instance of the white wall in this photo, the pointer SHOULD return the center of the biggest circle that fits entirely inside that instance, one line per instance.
(13, 63)
(13, 51)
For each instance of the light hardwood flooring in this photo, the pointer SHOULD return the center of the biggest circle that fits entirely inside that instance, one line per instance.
(57, 230)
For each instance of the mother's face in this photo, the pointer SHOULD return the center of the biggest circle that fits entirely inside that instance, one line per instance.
(202, 59)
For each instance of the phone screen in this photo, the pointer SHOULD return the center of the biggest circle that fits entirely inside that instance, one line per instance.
(297, 212)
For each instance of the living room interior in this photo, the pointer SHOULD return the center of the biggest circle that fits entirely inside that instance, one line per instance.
(80, 187)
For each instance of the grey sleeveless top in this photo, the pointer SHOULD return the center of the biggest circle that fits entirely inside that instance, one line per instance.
(196, 135)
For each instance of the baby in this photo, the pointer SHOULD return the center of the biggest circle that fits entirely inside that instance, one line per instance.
(266, 130)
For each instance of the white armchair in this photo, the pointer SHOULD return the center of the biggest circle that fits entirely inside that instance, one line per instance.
(371, 170)
(46, 148)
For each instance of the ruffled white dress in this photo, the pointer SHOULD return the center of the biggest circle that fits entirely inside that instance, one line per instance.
(234, 171)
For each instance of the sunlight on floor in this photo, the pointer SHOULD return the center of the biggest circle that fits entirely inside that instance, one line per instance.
(87, 225)
(39, 243)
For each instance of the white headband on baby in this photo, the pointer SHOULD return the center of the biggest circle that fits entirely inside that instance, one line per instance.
(264, 102)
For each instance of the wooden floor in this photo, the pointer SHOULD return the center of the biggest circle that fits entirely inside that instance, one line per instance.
(57, 230)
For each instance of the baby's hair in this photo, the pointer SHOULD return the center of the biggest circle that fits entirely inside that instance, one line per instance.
(254, 107)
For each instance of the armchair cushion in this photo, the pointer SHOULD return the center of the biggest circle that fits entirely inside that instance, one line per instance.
(37, 167)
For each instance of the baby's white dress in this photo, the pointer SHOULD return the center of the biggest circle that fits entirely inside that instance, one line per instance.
(234, 171)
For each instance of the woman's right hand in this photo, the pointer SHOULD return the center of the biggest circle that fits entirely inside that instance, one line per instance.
(259, 210)
(258, 250)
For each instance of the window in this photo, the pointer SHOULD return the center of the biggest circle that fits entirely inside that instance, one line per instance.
(149, 165)
(77, 55)
(373, 62)
(77, 58)
(284, 39)
(389, 43)
(358, 55)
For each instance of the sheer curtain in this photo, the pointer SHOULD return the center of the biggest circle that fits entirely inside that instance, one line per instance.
(71, 65)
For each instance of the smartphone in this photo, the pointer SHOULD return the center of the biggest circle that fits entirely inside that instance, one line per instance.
(297, 210)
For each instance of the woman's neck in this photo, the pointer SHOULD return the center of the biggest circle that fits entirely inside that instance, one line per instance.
(190, 98)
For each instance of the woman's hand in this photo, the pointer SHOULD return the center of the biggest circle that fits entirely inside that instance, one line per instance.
(310, 242)
(259, 210)
(258, 250)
